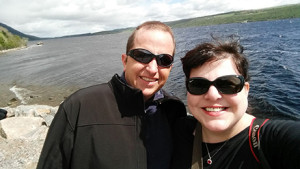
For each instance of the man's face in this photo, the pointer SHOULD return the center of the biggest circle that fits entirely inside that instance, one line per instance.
(148, 77)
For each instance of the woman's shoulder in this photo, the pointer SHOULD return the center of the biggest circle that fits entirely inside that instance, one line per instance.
(276, 129)
(280, 142)
(278, 124)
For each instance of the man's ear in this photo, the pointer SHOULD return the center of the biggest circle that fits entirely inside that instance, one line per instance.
(124, 61)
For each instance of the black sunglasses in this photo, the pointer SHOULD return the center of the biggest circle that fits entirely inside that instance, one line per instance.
(230, 84)
(145, 56)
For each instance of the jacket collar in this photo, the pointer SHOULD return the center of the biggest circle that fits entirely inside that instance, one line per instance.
(158, 95)
(130, 100)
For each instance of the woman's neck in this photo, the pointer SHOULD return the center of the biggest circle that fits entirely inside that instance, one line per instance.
(221, 136)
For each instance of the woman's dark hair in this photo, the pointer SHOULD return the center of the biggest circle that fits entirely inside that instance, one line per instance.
(207, 52)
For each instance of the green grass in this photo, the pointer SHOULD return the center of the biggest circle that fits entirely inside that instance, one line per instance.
(281, 12)
(276, 13)
(9, 40)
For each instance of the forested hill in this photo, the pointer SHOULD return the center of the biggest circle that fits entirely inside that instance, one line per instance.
(275, 13)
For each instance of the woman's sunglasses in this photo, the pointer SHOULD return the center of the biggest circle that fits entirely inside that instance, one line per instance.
(145, 56)
(230, 84)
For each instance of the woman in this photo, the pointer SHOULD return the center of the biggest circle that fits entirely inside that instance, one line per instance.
(217, 82)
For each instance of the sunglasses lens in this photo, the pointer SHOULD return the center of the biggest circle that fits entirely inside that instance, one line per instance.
(198, 85)
(165, 60)
(230, 84)
(140, 55)
(144, 56)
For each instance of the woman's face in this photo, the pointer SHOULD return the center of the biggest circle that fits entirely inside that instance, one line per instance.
(218, 112)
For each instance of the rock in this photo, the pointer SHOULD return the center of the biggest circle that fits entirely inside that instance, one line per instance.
(20, 127)
(48, 119)
(19, 153)
(13, 100)
(31, 165)
(22, 135)
(37, 134)
(31, 111)
(10, 112)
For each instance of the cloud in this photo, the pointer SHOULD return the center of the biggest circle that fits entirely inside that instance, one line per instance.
(53, 18)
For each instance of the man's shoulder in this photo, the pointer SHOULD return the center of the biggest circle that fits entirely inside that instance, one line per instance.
(90, 93)
(91, 90)
(168, 96)
(91, 105)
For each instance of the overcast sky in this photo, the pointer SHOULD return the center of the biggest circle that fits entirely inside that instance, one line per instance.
(54, 18)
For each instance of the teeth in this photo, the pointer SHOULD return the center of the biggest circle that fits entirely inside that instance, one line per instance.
(214, 109)
(148, 79)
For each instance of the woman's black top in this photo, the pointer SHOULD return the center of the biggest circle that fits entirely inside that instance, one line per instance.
(280, 142)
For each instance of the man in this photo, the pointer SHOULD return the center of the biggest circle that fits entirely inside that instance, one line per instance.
(125, 123)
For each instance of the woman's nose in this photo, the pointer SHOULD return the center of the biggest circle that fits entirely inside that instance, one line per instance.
(212, 93)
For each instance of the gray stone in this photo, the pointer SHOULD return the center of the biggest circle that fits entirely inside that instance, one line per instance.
(19, 153)
(19, 127)
(22, 135)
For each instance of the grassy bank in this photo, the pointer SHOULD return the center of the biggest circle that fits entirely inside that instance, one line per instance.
(9, 40)
(276, 13)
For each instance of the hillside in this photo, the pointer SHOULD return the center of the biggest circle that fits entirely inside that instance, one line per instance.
(275, 13)
(9, 40)
(15, 32)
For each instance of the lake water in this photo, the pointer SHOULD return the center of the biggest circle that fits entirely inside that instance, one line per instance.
(272, 48)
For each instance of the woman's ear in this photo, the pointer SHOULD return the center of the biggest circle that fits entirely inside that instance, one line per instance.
(247, 87)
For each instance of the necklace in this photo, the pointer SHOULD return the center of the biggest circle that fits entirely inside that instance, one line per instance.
(209, 160)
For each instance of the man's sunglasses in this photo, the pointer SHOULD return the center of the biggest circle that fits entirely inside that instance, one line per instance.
(230, 84)
(145, 56)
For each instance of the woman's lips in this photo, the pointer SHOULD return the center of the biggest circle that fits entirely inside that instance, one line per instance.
(214, 111)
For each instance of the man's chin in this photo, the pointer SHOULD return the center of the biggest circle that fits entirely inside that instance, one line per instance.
(148, 93)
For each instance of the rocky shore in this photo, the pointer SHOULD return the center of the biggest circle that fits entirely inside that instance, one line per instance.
(22, 134)
(30, 111)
